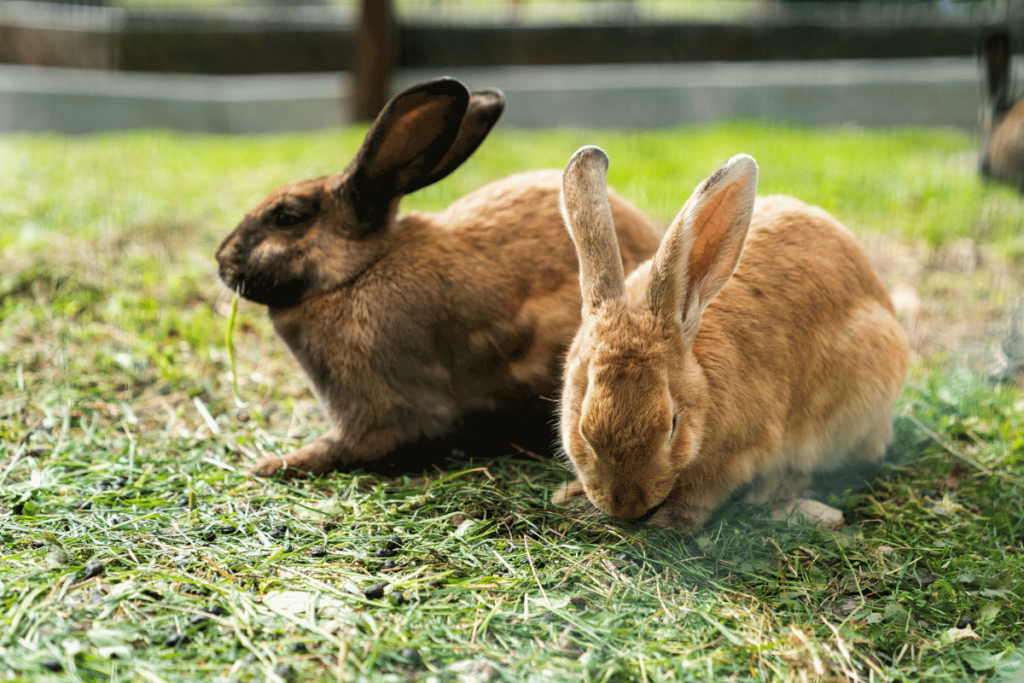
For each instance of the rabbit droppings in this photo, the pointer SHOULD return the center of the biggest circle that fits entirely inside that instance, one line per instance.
(688, 380)
(408, 326)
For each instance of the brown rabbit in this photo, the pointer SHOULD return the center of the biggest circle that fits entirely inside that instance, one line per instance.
(1001, 115)
(689, 380)
(408, 326)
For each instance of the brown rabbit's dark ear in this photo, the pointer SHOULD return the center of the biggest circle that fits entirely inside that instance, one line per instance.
(485, 108)
(409, 139)
(995, 51)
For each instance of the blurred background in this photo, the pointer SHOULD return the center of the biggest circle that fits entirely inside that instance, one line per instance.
(171, 120)
(134, 136)
(239, 66)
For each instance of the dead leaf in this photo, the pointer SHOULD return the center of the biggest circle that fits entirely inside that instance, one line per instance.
(465, 527)
(474, 671)
(953, 635)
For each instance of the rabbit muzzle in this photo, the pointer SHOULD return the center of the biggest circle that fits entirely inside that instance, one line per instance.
(625, 501)
(650, 513)
(271, 282)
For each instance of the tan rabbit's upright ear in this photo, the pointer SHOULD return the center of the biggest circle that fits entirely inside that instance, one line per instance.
(588, 217)
(407, 142)
(995, 51)
(703, 245)
(485, 108)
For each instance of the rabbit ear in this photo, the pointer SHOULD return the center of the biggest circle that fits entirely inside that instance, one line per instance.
(995, 51)
(406, 143)
(588, 217)
(485, 108)
(703, 245)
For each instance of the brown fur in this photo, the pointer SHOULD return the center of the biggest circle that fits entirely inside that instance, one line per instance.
(789, 365)
(1001, 117)
(408, 325)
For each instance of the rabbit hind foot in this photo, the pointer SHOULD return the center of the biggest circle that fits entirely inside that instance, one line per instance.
(808, 511)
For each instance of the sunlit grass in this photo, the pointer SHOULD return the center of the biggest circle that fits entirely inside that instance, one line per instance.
(120, 436)
(912, 183)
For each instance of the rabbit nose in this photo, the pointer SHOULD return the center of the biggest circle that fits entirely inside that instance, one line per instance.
(630, 503)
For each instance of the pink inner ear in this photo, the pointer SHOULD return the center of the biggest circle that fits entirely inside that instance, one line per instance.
(710, 226)
(401, 134)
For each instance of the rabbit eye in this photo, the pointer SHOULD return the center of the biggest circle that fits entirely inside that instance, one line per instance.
(286, 219)
(288, 214)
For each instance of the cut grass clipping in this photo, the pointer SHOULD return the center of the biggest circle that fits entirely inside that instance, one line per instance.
(135, 548)
(229, 344)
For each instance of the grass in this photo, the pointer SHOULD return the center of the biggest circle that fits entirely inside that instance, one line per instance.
(121, 444)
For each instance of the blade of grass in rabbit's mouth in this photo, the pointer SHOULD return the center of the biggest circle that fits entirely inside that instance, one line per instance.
(229, 341)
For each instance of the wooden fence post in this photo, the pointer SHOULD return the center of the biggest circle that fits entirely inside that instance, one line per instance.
(375, 57)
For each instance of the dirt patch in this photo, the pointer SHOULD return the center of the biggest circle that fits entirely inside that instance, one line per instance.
(960, 304)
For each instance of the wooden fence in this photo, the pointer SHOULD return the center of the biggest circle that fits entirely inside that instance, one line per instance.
(291, 40)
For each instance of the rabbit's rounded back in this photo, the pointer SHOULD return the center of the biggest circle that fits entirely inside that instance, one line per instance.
(1001, 115)
(757, 345)
(407, 324)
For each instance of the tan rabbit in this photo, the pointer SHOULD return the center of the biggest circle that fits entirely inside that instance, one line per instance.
(409, 326)
(1001, 115)
(689, 380)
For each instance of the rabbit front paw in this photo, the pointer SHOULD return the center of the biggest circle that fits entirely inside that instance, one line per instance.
(275, 466)
(319, 456)
(568, 490)
(680, 517)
